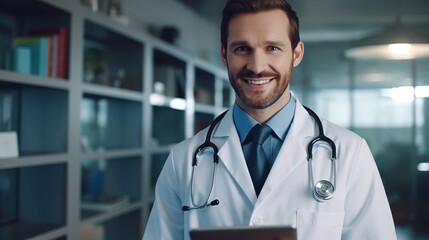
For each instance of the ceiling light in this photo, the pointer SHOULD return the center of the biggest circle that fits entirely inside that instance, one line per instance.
(399, 48)
(402, 94)
(406, 93)
(397, 42)
(423, 167)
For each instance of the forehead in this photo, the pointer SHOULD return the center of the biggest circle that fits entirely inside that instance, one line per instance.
(270, 25)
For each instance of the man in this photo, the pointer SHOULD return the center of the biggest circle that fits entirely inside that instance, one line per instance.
(260, 47)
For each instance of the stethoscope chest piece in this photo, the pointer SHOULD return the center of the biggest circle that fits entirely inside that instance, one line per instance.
(323, 190)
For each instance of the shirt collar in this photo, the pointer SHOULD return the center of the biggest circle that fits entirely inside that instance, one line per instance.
(279, 123)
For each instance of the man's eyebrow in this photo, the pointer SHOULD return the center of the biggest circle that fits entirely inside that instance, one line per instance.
(268, 43)
(238, 43)
(275, 43)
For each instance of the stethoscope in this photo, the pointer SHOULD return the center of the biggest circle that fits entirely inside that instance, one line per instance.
(322, 190)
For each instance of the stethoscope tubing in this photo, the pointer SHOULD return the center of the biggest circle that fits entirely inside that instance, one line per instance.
(322, 190)
(213, 177)
(207, 144)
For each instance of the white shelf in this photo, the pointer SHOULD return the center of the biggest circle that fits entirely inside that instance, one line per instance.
(205, 108)
(113, 92)
(36, 160)
(112, 154)
(31, 80)
(143, 103)
(105, 216)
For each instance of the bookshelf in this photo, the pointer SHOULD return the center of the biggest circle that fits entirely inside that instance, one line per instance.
(91, 103)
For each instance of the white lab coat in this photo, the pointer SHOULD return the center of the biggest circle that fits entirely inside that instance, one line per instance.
(359, 210)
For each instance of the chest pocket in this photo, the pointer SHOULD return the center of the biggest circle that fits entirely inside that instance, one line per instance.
(319, 225)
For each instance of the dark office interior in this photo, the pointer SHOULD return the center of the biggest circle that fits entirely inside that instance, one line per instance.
(94, 94)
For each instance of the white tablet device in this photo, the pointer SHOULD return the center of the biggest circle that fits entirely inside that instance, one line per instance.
(248, 233)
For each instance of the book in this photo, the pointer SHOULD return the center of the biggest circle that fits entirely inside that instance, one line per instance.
(23, 60)
(59, 49)
(38, 47)
(104, 202)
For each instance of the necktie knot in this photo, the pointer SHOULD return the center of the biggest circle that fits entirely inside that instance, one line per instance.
(260, 133)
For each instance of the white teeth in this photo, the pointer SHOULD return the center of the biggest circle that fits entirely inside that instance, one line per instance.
(258, 82)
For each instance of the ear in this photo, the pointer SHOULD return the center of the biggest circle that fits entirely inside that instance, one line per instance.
(223, 55)
(298, 54)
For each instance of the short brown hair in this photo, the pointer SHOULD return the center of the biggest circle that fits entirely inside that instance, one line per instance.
(234, 7)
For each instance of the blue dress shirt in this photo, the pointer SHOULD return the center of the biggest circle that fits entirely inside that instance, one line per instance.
(279, 123)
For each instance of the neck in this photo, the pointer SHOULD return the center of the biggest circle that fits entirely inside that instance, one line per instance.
(263, 115)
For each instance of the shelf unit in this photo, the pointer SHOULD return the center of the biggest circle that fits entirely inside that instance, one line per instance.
(91, 102)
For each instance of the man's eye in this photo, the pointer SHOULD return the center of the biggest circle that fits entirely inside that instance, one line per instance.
(241, 49)
(273, 49)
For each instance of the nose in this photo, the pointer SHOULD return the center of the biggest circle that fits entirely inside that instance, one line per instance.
(257, 62)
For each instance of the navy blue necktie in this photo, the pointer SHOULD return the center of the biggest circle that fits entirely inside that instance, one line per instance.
(256, 159)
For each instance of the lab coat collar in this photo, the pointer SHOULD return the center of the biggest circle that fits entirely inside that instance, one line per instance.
(225, 127)
(292, 152)
(302, 122)
(231, 155)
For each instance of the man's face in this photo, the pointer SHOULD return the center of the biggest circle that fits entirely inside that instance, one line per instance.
(260, 59)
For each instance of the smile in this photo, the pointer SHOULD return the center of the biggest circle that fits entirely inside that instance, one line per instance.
(258, 82)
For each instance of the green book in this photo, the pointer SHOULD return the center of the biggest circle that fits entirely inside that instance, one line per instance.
(38, 55)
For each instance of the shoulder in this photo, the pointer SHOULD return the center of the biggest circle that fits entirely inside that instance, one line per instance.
(332, 129)
(184, 150)
(348, 143)
(199, 137)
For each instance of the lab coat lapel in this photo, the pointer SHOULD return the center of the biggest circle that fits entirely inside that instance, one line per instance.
(293, 151)
(231, 155)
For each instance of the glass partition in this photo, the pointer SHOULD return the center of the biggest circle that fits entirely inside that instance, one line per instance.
(107, 55)
(110, 123)
(109, 185)
(32, 200)
(387, 103)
